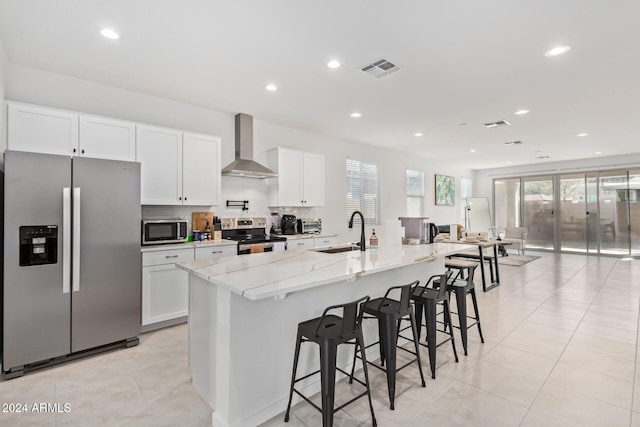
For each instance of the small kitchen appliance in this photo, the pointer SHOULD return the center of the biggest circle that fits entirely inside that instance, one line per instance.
(419, 228)
(309, 226)
(250, 233)
(161, 231)
(289, 224)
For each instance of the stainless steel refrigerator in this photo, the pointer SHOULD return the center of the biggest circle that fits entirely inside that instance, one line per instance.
(71, 257)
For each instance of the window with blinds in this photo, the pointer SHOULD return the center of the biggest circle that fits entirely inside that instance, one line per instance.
(415, 193)
(363, 186)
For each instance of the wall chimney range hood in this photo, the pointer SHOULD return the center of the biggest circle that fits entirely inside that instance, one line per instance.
(244, 165)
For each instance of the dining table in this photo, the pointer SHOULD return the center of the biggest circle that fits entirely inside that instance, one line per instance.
(481, 256)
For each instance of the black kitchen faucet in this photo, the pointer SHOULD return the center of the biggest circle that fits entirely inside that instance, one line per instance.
(362, 244)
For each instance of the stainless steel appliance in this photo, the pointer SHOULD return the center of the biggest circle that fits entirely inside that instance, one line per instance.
(71, 277)
(309, 226)
(419, 228)
(250, 233)
(160, 231)
(289, 224)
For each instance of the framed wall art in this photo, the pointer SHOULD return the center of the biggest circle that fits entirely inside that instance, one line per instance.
(445, 190)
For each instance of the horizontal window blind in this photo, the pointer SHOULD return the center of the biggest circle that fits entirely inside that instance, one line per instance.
(363, 187)
(415, 193)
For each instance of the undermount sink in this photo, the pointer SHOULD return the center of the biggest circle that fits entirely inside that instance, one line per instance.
(338, 249)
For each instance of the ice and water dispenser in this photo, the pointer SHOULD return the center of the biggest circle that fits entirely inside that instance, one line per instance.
(38, 245)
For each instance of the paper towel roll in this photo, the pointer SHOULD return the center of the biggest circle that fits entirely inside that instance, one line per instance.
(278, 246)
(393, 232)
(453, 232)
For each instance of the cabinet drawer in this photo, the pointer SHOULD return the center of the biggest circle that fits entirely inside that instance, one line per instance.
(212, 252)
(319, 242)
(167, 257)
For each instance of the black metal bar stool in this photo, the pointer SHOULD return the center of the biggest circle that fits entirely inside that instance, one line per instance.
(329, 331)
(390, 313)
(426, 298)
(463, 287)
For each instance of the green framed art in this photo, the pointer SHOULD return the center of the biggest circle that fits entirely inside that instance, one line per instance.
(445, 190)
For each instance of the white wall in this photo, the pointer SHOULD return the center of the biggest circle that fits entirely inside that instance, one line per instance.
(3, 66)
(43, 88)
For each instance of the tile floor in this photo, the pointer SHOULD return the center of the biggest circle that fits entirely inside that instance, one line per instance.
(561, 349)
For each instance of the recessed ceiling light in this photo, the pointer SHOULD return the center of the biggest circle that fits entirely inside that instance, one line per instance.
(271, 87)
(109, 33)
(333, 64)
(418, 134)
(598, 152)
(582, 134)
(521, 112)
(558, 50)
(356, 115)
(472, 151)
(508, 163)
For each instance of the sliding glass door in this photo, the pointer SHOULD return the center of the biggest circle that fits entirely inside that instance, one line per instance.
(594, 212)
(539, 211)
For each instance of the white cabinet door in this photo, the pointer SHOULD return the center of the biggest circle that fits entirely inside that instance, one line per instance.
(300, 180)
(41, 130)
(320, 242)
(201, 169)
(295, 244)
(105, 138)
(165, 293)
(313, 181)
(159, 151)
(214, 252)
(289, 177)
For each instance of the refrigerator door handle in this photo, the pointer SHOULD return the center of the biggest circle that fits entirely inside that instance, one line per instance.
(76, 239)
(66, 240)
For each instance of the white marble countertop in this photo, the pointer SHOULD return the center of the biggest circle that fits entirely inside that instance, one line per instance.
(188, 245)
(275, 274)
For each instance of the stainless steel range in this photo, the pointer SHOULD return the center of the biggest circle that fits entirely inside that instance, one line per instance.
(251, 235)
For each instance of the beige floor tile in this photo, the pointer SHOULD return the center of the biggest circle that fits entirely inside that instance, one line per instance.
(578, 409)
(540, 346)
(536, 419)
(601, 330)
(554, 320)
(598, 362)
(472, 406)
(511, 385)
(635, 419)
(604, 345)
(608, 389)
(537, 367)
(537, 330)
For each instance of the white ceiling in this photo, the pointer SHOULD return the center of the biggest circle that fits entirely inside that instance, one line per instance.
(461, 61)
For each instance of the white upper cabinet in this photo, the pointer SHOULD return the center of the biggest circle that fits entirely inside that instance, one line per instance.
(105, 138)
(159, 151)
(178, 168)
(47, 130)
(41, 130)
(201, 169)
(300, 180)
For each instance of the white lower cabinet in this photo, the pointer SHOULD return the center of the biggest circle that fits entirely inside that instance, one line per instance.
(210, 252)
(299, 243)
(165, 288)
(320, 242)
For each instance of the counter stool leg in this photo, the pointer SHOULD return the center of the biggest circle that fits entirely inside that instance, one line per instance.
(359, 345)
(447, 317)
(461, 301)
(430, 317)
(293, 376)
(417, 346)
(418, 308)
(389, 340)
(328, 352)
(477, 313)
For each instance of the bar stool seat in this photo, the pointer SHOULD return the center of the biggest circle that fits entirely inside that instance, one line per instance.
(329, 331)
(463, 287)
(389, 313)
(426, 298)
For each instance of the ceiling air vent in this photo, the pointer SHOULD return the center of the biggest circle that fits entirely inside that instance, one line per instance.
(380, 68)
(497, 124)
(542, 157)
(513, 143)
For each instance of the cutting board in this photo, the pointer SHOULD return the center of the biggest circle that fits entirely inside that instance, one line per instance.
(199, 220)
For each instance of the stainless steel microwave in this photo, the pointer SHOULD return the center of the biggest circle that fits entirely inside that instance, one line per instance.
(159, 231)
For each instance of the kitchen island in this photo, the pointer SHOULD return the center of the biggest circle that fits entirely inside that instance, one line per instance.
(244, 311)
